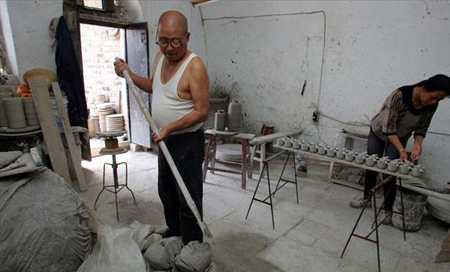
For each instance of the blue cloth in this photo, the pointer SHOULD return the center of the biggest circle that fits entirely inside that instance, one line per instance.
(69, 75)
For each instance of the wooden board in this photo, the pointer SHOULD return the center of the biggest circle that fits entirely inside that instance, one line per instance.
(272, 137)
(344, 162)
(74, 152)
(52, 137)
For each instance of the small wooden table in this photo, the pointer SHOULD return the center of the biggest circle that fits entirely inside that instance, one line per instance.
(210, 157)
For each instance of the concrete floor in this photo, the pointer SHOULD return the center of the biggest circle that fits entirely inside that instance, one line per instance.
(308, 237)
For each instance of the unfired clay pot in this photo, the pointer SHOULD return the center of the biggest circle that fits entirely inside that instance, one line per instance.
(393, 165)
(340, 154)
(359, 158)
(3, 119)
(382, 163)
(30, 111)
(219, 121)
(312, 148)
(287, 142)
(304, 146)
(331, 152)
(234, 116)
(349, 156)
(404, 168)
(14, 112)
(280, 141)
(371, 160)
(417, 170)
(321, 150)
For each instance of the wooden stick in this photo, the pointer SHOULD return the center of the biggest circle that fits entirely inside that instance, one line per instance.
(74, 152)
(166, 153)
(52, 137)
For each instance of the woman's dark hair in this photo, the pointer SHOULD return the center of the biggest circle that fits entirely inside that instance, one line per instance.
(438, 83)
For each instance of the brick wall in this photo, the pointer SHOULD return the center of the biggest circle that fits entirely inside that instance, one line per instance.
(100, 45)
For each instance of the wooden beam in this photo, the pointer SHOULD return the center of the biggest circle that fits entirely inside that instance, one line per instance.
(74, 152)
(52, 137)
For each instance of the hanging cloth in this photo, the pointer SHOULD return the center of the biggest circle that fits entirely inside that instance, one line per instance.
(69, 75)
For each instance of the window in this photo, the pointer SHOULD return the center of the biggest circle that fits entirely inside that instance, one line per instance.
(102, 5)
(97, 4)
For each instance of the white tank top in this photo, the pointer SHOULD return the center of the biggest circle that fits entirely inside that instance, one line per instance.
(167, 106)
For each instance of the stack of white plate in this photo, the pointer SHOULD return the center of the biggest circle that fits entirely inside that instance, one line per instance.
(115, 122)
(102, 113)
(30, 111)
(100, 98)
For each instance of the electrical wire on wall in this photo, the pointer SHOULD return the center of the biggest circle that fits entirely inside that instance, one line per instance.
(285, 14)
(281, 14)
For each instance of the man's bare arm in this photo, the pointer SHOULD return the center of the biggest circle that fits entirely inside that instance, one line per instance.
(142, 83)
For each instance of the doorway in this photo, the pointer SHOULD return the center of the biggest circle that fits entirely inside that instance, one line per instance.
(105, 92)
(110, 105)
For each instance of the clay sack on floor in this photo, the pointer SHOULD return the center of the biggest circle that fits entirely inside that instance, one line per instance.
(150, 240)
(194, 257)
(43, 224)
(8, 157)
(212, 268)
(117, 249)
(161, 255)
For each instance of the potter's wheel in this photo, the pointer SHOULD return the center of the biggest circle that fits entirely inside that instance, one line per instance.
(115, 151)
(7, 130)
(111, 142)
(110, 134)
(225, 132)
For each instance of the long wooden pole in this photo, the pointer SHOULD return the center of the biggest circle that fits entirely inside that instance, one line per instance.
(166, 153)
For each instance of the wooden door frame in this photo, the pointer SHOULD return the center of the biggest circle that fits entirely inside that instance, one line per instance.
(123, 26)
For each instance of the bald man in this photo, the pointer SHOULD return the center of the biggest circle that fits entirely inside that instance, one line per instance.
(180, 104)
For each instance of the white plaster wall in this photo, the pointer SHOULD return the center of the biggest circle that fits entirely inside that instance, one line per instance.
(29, 22)
(8, 37)
(371, 49)
(153, 9)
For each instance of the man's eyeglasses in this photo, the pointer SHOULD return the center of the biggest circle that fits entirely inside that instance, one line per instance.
(175, 43)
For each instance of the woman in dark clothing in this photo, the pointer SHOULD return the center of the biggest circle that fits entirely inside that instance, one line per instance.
(408, 110)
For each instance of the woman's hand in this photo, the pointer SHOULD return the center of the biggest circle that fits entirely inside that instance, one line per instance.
(416, 151)
(403, 156)
(162, 136)
(120, 66)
